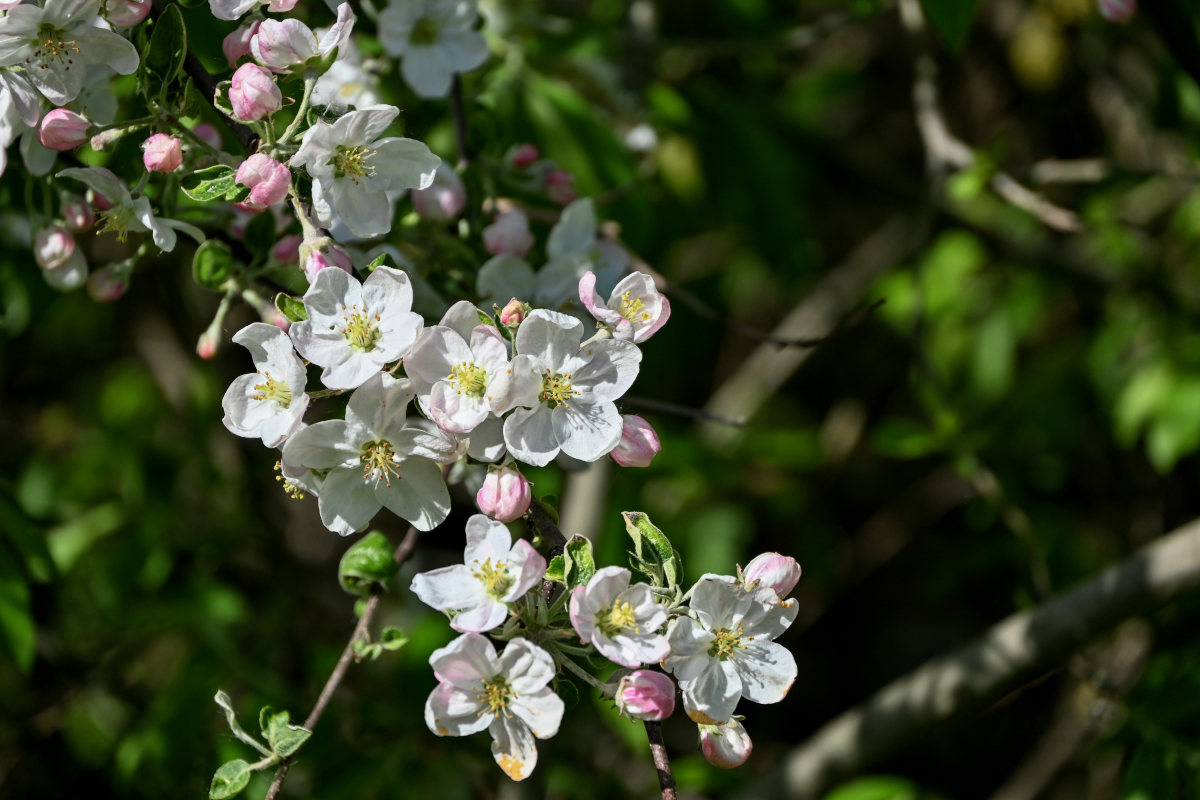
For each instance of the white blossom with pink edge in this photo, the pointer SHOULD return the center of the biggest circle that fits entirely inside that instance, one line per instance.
(639, 442)
(725, 746)
(494, 573)
(619, 620)
(280, 45)
(270, 402)
(507, 695)
(634, 311)
(230, 10)
(646, 695)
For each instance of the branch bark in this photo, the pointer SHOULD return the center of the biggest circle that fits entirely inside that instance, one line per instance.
(1012, 653)
(662, 763)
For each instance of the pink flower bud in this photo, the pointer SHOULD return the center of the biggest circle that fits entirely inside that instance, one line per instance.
(504, 495)
(639, 443)
(63, 130)
(99, 201)
(287, 249)
(523, 155)
(77, 214)
(162, 153)
(508, 235)
(126, 13)
(779, 572)
(513, 313)
(560, 186)
(206, 346)
(1119, 11)
(267, 178)
(53, 247)
(237, 44)
(106, 286)
(253, 93)
(646, 694)
(444, 198)
(725, 746)
(208, 133)
(323, 254)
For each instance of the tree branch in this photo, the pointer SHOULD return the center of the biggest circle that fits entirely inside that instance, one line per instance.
(361, 631)
(662, 763)
(1013, 652)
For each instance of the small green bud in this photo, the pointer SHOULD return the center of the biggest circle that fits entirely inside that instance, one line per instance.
(369, 561)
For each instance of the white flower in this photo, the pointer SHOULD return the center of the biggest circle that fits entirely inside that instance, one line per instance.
(494, 573)
(352, 168)
(58, 45)
(282, 44)
(574, 409)
(462, 372)
(436, 39)
(573, 249)
(129, 213)
(268, 403)
(635, 310)
(347, 84)
(622, 621)
(373, 461)
(354, 328)
(729, 654)
(231, 10)
(507, 694)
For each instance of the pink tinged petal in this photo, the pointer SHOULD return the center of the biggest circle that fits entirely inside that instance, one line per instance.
(526, 566)
(339, 33)
(527, 667)
(541, 710)
(587, 431)
(664, 314)
(486, 538)
(513, 747)
(582, 620)
(712, 696)
(418, 495)
(587, 293)
(775, 571)
(453, 712)
(529, 436)
(455, 412)
(323, 445)
(466, 662)
(766, 669)
(347, 503)
(549, 336)
(646, 695)
(639, 442)
(483, 617)
(726, 746)
(449, 588)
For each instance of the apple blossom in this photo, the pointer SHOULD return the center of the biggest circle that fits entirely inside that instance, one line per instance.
(573, 250)
(726, 653)
(442, 200)
(126, 213)
(270, 402)
(253, 93)
(62, 129)
(494, 573)
(347, 84)
(509, 234)
(283, 44)
(435, 39)
(504, 495)
(53, 247)
(646, 695)
(267, 178)
(230, 10)
(620, 620)
(236, 45)
(522, 156)
(354, 328)
(162, 153)
(778, 572)
(634, 311)
(373, 460)
(508, 695)
(126, 13)
(639, 442)
(727, 745)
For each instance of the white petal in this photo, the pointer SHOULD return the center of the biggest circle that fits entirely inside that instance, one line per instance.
(766, 669)
(462, 51)
(486, 539)
(527, 667)
(502, 278)
(542, 711)
(483, 617)
(419, 496)
(712, 696)
(347, 502)
(466, 662)
(611, 370)
(424, 70)
(529, 436)
(549, 336)
(575, 229)
(587, 431)
(449, 588)
(513, 747)
(379, 405)
(323, 445)
(404, 163)
(450, 711)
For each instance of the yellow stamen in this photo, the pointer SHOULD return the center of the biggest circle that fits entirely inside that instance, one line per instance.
(557, 389)
(379, 463)
(496, 580)
(634, 307)
(353, 162)
(612, 621)
(360, 329)
(468, 379)
(271, 389)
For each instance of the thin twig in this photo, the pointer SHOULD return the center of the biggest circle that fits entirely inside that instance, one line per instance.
(460, 121)
(553, 541)
(361, 631)
(683, 411)
(662, 763)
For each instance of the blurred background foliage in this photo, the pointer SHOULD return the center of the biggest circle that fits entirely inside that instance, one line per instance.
(1003, 409)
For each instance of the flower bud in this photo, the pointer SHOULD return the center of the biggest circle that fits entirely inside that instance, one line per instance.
(206, 346)
(53, 247)
(1119, 11)
(560, 186)
(237, 44)
(725, 746)
(444, 198)
(523, 155)
(287, 249)
(63, 130)
(779, 572)
(209, 134)
(77, 214)
(253, 93)
(106, 285)
(508, 235)
(162, 153)
(126, 13)
(505, 494)
(267, 178)
(639, 443)
(106, 139)
(513, 313)
(647, 695)
(323, 254)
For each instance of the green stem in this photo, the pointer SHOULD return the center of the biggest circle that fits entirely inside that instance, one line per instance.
(581, 672)
(310, 82)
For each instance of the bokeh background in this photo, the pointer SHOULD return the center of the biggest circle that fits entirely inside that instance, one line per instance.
(1002, 403)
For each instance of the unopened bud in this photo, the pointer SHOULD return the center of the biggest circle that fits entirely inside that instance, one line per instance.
(63, 130)
(505, 494)
(237, 44)
(323, 254)
(560, 186)
(639, 443)
(725, 746)
(126, 13)
(106, 139)
(508, 235)
(106, 285)
(647, 695)
(206, 346)
(77, 214)
(253, 93)
(53, 247)
(287, 249)
(779, 572)
(514, 313)
(267, 178)
(208, 134)
(162, 153)
(445, 197)
(523, 155)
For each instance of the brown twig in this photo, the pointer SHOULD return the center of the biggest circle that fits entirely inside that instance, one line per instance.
(542, 524)
(361, 631)
(662, 763)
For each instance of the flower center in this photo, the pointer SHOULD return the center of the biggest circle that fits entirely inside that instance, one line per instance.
(379, 463)
(353, 162)
(468, 379)
(496, 693)
(557, 389)
(51, 48)
(612, 621)
(116, 220)
(496, 580)
(271, 389)
(633, 307)
(424, 32)
(727, 643)
(360, 329)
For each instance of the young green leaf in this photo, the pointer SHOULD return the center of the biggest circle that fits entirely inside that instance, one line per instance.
(212, 264)
(230, 778)
(367, 563)
(210, 183)
(583, 565)
(291, 308)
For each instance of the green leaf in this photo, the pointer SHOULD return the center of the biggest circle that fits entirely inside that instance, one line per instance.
(163, 59)
(17, 632)
(212, 264)
(291, 308)
(380, 260)
(652, 554)
(876, 787)
(222, 700)
(486, 319)
(557, 571)
(210, 183)
(287, 739)
(368, 562)
(392, 639)
(230, 779)
(951, 18)
(583, 564)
